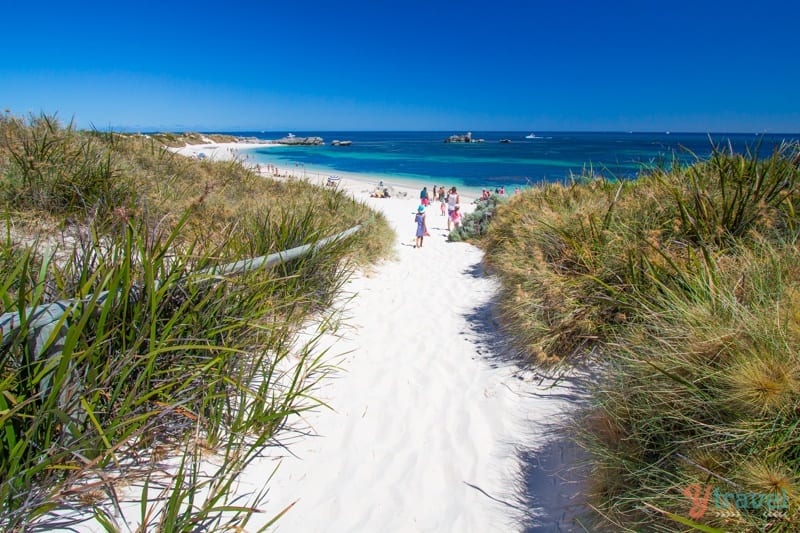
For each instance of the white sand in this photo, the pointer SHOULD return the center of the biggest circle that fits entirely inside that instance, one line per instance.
(426, 419)
(420, 413)
(218, 151)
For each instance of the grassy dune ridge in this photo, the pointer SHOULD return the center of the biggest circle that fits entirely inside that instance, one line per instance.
(170, 367)
(682, 286)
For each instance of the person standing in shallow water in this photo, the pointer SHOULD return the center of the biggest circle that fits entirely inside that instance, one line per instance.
(422, 227)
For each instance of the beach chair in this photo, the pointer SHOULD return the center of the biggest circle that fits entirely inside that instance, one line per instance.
(333, 181)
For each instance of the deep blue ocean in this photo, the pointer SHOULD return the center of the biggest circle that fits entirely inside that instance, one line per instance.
(424, 158)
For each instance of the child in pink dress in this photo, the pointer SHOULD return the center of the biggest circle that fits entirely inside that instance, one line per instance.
(455, 217)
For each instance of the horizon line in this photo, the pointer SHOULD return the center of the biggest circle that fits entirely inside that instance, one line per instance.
(239, 130)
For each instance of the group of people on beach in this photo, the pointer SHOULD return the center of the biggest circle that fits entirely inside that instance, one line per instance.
(501, 191)
(449, 202)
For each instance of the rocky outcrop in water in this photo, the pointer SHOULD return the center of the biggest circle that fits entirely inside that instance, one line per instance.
(307, 141)
(466, 138)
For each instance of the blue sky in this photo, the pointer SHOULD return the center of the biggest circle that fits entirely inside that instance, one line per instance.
(307, 65)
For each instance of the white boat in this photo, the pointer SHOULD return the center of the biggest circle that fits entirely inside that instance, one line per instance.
(531, 136)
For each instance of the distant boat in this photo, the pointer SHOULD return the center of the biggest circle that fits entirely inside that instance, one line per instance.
(341, 143)
(531, 136)
(505, 140)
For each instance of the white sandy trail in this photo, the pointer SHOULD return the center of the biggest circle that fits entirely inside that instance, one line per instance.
(420, 416)
(425, 423)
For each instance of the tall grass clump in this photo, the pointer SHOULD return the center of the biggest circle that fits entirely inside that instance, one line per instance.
(570, 254)
(728, 196)
(682, 285)
(550, 246)
(57, 169)
(162, 365)
(705, 393)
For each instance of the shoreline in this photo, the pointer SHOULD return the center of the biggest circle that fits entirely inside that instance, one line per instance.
(355, 183)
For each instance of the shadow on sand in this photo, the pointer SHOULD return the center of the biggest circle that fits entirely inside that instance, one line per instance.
(554, 478)
(553, 475)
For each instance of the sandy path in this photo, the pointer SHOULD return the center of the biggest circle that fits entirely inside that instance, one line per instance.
(422, 417)
(427, 420)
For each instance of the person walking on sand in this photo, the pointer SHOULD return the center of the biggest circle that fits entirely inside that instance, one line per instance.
(456, 217)
(423, 197)
(442, 200)
(422, 227)
(452, 202)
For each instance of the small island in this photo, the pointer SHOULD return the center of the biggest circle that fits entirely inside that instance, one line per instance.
(466, 138)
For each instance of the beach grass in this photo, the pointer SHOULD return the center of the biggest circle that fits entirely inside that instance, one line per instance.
(680, 288)
(159, 366)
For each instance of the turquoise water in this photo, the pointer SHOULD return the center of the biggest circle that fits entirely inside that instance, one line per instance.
(423, 157)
